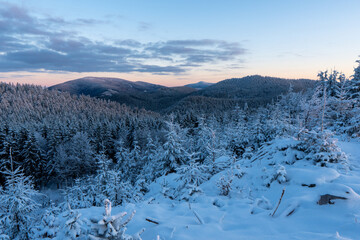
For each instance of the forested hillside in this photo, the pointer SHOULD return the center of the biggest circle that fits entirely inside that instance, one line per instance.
(133, 94)
(254, 91)
(93, 150)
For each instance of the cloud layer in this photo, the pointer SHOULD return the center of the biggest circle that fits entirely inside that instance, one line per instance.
(31, 43)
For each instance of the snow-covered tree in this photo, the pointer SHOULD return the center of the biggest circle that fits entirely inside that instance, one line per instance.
(312, 109)
(213, 147)
(354, 86)
(225, 183)
(113, 227)
(194, 173)
(75, 158)
(152, 160)
(73, 226)
(17, 203)
(353, 93)
(103, 164)
(321, 148)
(122, 157)
(174, 153)
(49, 225)
(33, 163)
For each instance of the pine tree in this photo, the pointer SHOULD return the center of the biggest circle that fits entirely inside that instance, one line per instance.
(75, 158)
(123, 158)
(103, 164)
(152, 168)
(33, 163)
(49, 225)
(73, 225)
(353, 93)
(202, 139)
(136, 163)
(174, 154)
(354, 86)
(17, 203)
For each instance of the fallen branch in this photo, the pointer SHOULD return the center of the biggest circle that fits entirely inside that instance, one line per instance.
(198, 217)
(152, 221)
(282, 194)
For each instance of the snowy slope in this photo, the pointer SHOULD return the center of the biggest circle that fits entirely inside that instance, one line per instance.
(257, 185)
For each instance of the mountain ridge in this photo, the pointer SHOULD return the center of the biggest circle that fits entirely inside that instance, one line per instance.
(255, 90)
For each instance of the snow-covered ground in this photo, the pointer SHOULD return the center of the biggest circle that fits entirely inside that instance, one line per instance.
(256, 187)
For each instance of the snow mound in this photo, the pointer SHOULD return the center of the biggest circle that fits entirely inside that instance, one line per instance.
(273, 195)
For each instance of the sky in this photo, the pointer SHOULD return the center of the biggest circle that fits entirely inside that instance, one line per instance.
(176, 42)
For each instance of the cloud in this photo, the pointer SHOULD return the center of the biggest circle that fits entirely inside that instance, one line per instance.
(198, 51)
(144, 26)
(29, 43)
(128, 43)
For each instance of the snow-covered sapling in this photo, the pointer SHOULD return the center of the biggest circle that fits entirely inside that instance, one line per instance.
(224, 184)
(112, 227)
(73, 224)
(49, 225)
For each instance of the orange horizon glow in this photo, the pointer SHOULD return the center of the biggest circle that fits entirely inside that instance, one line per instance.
(50, 79)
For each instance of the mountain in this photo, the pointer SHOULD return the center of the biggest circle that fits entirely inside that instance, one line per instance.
(135, 94)
(254, 90)
(199, 85)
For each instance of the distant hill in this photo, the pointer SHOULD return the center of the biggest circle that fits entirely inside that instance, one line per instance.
(135, 94)
(199, 85)
(254, 87)
(254, 90)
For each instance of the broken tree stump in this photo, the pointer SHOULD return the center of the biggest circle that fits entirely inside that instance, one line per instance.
(326, 199)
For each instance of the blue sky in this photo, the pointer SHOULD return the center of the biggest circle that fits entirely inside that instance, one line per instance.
(175, 42)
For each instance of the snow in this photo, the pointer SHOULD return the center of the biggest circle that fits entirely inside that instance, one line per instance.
(246, 212)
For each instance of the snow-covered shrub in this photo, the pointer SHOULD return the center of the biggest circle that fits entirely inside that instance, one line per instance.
(276, 173)
(119, 192)
(353, 126)
(92, 191)
(321, 148)
(281, 174)
(49, 225)
(224, 183)
(73, 227)
(166, 190)
(113, 227)
(142, 186)
(193, 174)
(77, 196)
(238, 172)
(219, 164)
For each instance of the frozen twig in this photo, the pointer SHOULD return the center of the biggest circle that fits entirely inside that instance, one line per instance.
(152, 221)
(282, 194)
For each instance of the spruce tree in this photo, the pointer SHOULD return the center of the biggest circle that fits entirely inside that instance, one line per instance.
(17, 203)
(174, 154)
